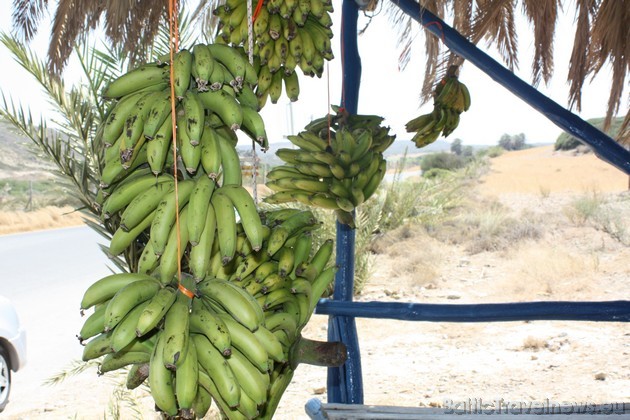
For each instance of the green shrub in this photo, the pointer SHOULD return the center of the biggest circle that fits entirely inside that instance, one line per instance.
(435, 173)
(442, 160)
(494, 151)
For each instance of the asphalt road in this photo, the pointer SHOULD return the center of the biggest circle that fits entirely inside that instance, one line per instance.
(45, 274)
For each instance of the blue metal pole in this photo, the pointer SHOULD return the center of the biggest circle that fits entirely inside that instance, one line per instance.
(604, 146)
(345, 383)
(608, 311)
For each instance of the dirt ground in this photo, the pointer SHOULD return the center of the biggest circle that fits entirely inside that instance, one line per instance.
(564, 254)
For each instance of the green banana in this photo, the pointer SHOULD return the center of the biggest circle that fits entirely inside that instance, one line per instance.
(159, 146)
(144, 204)
(159, 110)
(200, 254)
(203, 64)
(202, 402)
(271, 344)
(246, 342)
(213, 328)
(253, 382)
(235, 60)
(165, 214)
(125, 331)
(198, 205)
(176, 332)
(161, 380)
(155, 310)
(182, 69)
(230, 162)
(122, 239)
(193, 116)
(224, 386)
(320, 284)
(234, 301)
(286, 260)
(225, 106)
(97, 346)
(115, 121)
(226, 226)
(317, 264)
(93, 325)
(186, 379)
(250, 220)
(105, 288)
(139, 78)
(210, 153)
(125, 193)
(288, 228)
(174, 249)
(128, 298)
(148, 260)
(254, 126)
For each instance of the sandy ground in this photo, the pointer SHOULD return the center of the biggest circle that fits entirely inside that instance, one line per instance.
(431, 364)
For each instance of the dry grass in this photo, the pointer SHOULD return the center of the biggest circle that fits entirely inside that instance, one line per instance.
(534, 344)
(414, 257)
(44, 218)
(487, 225)
(540, 269)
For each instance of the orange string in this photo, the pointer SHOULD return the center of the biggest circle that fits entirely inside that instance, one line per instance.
(173, 8)
(259, 6)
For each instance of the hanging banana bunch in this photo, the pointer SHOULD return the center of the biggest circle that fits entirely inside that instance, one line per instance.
(334, 167)
(227, 328)
(450, 99)
(287, 34)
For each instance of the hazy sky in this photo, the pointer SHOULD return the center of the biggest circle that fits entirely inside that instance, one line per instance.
(388, 92)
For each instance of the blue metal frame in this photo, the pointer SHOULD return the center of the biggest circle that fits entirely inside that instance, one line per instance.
(610, 311)
(345, 384)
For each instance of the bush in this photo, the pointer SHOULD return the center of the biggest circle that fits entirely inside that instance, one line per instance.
(435, 173)
(494, 151)
(566, 141)
(442, 160)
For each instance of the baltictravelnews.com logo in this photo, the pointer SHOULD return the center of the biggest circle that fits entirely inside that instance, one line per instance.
(540, 407)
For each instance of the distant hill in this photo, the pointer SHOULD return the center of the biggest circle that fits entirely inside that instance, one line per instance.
(18, 157)
(398, 148)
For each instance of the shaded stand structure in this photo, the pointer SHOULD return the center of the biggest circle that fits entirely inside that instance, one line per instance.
(345, 383)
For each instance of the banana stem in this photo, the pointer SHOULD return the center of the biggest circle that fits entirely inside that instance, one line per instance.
(317, 353)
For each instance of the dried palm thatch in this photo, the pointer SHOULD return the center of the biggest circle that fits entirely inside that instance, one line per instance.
(602, 34)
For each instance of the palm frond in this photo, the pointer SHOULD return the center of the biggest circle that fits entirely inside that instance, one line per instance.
(578, 64)
(494, 21)
(542, 16)
(610, 33)
(26, 16)
(75, 367)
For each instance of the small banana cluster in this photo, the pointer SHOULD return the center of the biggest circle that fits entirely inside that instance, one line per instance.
(450, 99)
(336, 166)
(287, 34)
(213, 86)
(228, 337)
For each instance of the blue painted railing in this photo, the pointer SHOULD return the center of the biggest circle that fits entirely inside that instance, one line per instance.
(345, 383)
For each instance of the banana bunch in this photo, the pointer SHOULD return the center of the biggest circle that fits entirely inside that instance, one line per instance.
(228, 337)
(450, 99)
(213, 86)
(288, 34)
(336, 167)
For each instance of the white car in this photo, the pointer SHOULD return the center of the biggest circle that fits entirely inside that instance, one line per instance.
(12, 348)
